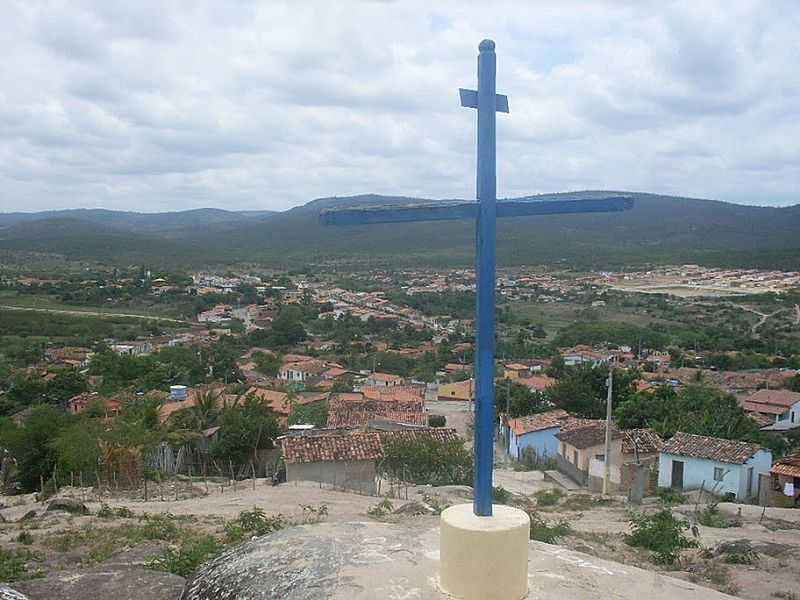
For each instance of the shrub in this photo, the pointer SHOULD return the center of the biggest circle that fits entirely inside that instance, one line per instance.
(427, 461)
(548, 497)
(184, 559)
(529, 460)
(381, 509)
(661, 533)
(548, 532)
(501, 495)
(106, 512)
(710, 516)
(437, 420)
(312, 514)
(739, 552)
(671, 496)
(25, 537)
(14, 565)
(254, 523)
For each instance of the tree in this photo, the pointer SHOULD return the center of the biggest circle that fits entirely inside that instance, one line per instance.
(521, 400)
(65, 385)
(267, 363)
(315, 413)
(32, 444)
(244, 430)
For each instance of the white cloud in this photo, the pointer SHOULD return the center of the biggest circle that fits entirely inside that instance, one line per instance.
(170, 105)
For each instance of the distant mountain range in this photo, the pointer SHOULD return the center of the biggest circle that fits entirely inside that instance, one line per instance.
(660, 229)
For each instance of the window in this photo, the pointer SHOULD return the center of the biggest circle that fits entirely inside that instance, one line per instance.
(600, 457)
(563, 449)
(719, 473)
(575, 457)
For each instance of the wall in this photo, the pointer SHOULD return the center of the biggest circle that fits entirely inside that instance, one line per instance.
(697, 472)
(358, 476)
(542, 442)
(761, 462)
(597, 467)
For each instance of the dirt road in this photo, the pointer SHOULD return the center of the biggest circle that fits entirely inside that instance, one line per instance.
(94, 313)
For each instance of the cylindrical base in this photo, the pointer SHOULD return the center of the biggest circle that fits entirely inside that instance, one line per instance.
(484, 558)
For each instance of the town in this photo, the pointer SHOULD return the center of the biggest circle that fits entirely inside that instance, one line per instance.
(126, 389)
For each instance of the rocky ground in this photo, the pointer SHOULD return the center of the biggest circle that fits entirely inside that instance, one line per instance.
(128, 548)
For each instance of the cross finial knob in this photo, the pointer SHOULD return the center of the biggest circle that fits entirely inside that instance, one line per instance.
(486, 46)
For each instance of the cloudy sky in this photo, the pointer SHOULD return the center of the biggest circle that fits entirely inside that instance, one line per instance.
(160, 105)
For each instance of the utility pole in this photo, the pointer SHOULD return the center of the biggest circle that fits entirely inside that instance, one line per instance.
(607, 456)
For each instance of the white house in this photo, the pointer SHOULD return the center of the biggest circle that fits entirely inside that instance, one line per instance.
(778, 409)
(689, 461)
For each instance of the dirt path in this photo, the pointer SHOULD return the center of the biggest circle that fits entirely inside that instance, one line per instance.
(764, 317)
(94, 313)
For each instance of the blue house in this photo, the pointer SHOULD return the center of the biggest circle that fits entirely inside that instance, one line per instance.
(689, 461)
(536, 434)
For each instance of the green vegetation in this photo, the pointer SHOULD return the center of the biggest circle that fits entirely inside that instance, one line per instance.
(549, 532)
(16, 565)
(427, 460)
(661, 533)
(315, 413)
(695, 408)
(253, 523)
(184, 559)
(549, 497)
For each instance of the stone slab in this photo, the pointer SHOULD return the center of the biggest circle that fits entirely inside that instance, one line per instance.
(369, 560)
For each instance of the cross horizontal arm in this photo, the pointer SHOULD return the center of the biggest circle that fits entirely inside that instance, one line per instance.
(469, 99)
(469, 210)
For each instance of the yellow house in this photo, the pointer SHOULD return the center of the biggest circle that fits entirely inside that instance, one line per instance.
(460, 390)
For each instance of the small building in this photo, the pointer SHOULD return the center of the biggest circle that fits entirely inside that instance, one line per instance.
(784, 486)
(773, 407)
(383, 380)
(344, 461)
(460, 390)
(689, 461)
(581, 454)
(537, 383)
(536, 434)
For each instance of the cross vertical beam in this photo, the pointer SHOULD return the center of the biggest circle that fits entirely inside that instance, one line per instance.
(486, 234)
(485, 213)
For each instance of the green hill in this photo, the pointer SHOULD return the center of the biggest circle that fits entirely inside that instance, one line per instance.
(659, 229)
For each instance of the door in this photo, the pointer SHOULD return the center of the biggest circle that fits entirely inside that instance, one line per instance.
(677, 474)
(750, 482)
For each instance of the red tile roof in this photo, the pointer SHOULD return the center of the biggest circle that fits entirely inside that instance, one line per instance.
(788, 466)
(645, 441)
(346, 413)
(538, 422)
(536, 382)
(588, 434)
(330, 448)
(441, 434)
(784, 398)
(700, 446)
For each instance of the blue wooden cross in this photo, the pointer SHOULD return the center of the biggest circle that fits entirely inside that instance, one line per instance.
(485, 212)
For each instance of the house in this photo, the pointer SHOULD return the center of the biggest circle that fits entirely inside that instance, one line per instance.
(460, 390)
(516, 370)
(301, 371)
(777, 409)
(135, 348)
(689, 461)
(580, 355)
(383, 380)
(77, 404)
(345, 461)
(536, 434)
(357, 415)
(784, 487)
(537, 383)
(581, 453)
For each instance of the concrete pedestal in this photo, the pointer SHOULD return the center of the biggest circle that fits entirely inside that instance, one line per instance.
(484, 558)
